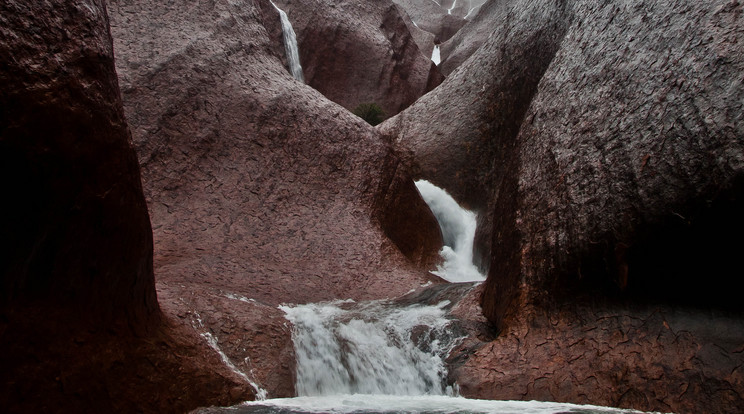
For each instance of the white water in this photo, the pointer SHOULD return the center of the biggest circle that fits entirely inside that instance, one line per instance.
(458, 231)
(430, 404)
(435, 55)
(290, 45)
(370, 348)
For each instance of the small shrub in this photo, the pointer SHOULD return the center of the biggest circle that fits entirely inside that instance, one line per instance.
(370, 112)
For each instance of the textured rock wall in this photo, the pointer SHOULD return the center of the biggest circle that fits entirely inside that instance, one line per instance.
(258, 186)
(359, 52)
(636, 134)
(473, 35)
(432, 17)
(75, 224)
(80, 328)
(602, 144)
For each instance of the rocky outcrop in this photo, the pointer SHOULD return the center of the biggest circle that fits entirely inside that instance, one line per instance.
(77, 232)
(258, 186)
(357, 52)
(474, 34)
(602, 145)
(433, 18)
(80, 327)
(659, 358)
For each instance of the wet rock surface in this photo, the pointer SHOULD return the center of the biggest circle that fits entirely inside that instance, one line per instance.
(359, 52)
(602, 145)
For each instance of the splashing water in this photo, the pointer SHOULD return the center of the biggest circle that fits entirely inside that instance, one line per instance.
(458, 231)
(290, 45)
(371, 348)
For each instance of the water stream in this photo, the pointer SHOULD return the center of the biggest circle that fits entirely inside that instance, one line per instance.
(290, 45)
(458, 232)
(389, 356)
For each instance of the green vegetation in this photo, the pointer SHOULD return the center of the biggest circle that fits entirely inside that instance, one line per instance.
(370, 112)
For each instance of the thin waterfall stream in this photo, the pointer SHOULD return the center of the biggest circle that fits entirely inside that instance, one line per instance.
(290, 45)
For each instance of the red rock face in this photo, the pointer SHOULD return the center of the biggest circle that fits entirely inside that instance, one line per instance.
(358, 52)
(80, 328)
(258, 186)
(78, 232)
(603, 148)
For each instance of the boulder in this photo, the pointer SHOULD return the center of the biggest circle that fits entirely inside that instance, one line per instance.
(358, 52)
(601, 144)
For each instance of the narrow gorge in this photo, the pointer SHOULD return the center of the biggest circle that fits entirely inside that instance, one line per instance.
(546, 221)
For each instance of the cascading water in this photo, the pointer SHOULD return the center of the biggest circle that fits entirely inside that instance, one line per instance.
(377, 347)
(290, 45)
(388, 356)
(458, 231)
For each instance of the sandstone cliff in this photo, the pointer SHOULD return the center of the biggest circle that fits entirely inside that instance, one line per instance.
(602, 145)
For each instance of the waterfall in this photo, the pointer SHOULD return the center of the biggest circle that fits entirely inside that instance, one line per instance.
(290, 45)
(458, 231)
(435, 55)
(454, 3)
(377, 347)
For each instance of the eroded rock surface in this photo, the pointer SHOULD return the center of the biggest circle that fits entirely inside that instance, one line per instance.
(474, 34)
(359, 52)
(602, 145)
(432, 17)
(257, 185)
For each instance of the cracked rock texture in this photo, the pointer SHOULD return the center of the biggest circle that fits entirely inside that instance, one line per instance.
(602, 144)
(80, 327)
(357, 52)
(258, 186)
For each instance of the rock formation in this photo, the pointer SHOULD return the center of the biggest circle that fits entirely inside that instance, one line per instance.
(258, 186)
(80, 327)
(602, 145)
(357, 52)
(433, 18)
(473, 35)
